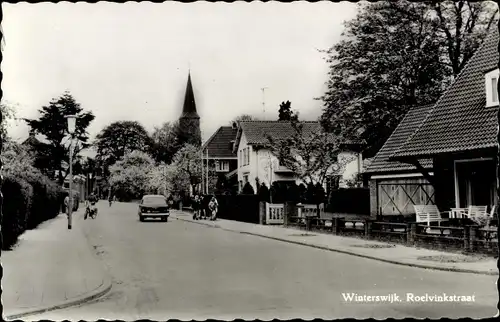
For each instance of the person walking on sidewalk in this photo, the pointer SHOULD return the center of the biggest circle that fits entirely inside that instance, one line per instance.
(196, 207)
(213, 206)
(66, 205)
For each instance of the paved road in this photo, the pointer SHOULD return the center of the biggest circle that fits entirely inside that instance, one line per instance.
(180, 270)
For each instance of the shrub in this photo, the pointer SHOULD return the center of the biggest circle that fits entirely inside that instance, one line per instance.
(18, 195)
(293, 193)
(302, 193)
(263, 193)
(319, 194)
(46, 198)
(247, 189)
(276, 193)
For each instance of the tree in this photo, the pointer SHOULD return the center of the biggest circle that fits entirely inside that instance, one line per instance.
(158, 178)
(53, 125)
(168, 180)
(244, 118)
(119, 139)
(285, 112)
(188, 162)
(311, 155)
(17, 158)
(164, 142)
(392, 59)
(463, 25)
(7, 112)
(129, 177)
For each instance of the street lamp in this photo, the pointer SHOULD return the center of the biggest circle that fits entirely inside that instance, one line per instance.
(90, 185)
(71, 129)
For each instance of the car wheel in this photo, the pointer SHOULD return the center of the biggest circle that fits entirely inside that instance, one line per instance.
(165, 219)
(141, 218)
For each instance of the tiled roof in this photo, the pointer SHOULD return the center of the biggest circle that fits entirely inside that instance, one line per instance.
(403, 131)
(219, 144)
(256, 132)
(460, 120)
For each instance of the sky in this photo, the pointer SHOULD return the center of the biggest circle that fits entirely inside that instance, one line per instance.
(131, 61)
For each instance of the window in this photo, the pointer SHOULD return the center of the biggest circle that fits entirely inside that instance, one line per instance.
(222, 166)
(240, 161)
(491, 82)
(494, 89)
(248, 155)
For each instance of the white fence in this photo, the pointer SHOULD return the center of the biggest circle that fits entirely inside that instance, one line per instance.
(310, 210)
(275, 214)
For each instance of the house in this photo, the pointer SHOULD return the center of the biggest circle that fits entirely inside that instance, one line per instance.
(459, 135)
(395, 186)
(257, 162)
(218, 150)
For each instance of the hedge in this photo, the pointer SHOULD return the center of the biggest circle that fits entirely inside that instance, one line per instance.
(46, 199)
(29, 199)
(17, 194)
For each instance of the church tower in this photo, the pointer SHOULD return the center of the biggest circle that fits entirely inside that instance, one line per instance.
(189, 122)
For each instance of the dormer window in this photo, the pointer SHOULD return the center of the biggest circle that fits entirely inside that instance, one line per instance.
(491, 82)
(494, 89)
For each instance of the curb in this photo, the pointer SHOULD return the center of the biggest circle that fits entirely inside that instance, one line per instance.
(100, 291)
(447, 269)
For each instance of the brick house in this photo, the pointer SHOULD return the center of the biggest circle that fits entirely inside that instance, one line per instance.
(459, 135)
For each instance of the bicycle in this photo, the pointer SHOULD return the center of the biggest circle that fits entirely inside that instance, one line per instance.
(92, 213)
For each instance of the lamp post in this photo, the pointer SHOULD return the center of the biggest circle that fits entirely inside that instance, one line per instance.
(71, 129)
(90, 186)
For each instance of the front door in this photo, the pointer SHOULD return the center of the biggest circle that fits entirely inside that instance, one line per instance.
(475, 182)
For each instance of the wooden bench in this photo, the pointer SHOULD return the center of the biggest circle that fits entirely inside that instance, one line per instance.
(429, 214)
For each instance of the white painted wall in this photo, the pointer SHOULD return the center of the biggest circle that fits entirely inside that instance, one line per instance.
(263, 165)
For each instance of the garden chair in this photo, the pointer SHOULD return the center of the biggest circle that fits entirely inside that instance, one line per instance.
(429, 214)
(479, 215)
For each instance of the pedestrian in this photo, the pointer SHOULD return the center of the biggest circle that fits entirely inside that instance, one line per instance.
(66, 205)
(170, 201)
(196, 207)
(110, 199)
(213, 205)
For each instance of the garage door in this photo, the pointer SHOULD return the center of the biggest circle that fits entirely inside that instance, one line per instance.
(397, 196)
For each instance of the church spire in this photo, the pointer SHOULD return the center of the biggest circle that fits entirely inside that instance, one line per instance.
(189, 108)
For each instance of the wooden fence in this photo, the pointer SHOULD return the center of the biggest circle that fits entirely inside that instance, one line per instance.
(468, 238)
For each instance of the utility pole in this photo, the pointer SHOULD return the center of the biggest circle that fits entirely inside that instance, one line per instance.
(264, 102)
(207, 169)
(202, 189)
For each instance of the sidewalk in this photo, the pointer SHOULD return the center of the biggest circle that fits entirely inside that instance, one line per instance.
(51, 268)
(396, 254)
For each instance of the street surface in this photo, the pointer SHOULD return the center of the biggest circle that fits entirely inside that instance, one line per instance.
(181, 270)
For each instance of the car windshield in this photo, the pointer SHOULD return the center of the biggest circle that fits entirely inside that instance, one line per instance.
(156, 200)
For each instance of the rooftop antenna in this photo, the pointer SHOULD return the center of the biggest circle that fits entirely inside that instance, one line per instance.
(264, 101)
